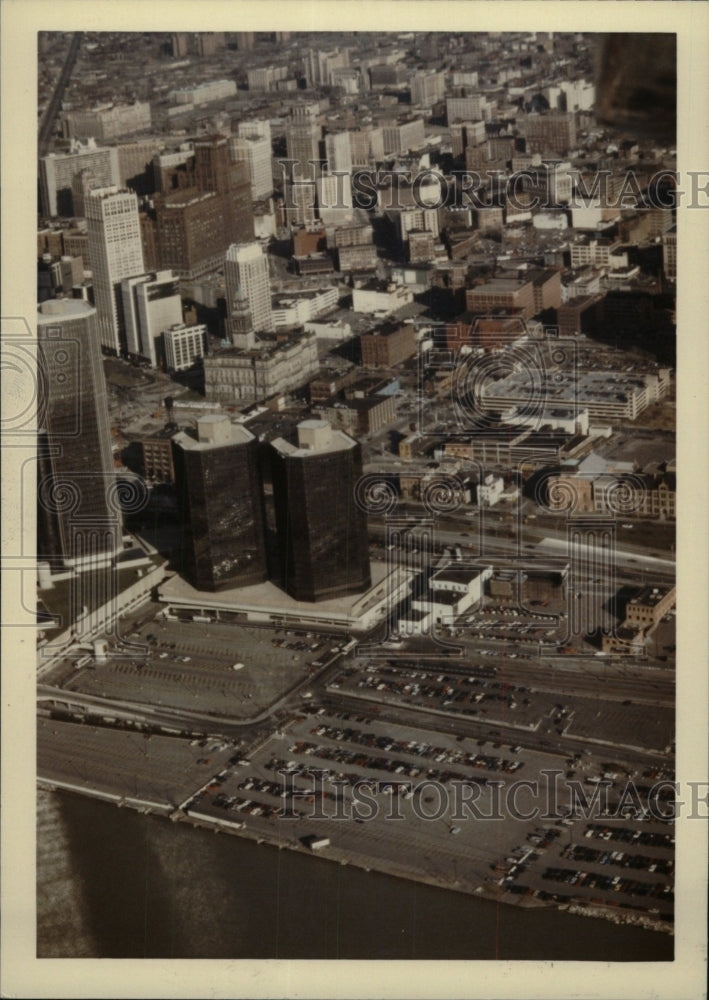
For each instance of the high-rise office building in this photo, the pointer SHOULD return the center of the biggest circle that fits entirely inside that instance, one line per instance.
(189, 232)
(107, 122)
(427, 87)
(134, 164)
(473, 107)
(82, 183)
(184, 345)
(211, 164)
(245, 40)
(215, 171)
(366, 146)
(254, 128)
(58, 170)
(151, 304)
(221, 505)
(255, 151)
(246, 272)
(553, 132)
(208, 207)
(173, 170)
(322, 533)
(338, 152)
(334, 187)
(400, 136)
(303, 150)
(79, 523)
(115, 252)
(300, 200)
(335, 199)
(319, 65)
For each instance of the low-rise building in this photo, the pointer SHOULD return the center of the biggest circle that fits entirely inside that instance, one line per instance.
(203, 93)
(649, 606)
(611, 396)
(156, 453)
(380, 297)
(490, 490)
(309, 239)
(108, 121)
(451, 591)
(314, 263)
(275, 365)
(184, 345)
(298, 308)
(488, 333)
(506, 293)
(607, 487)
(329, 383)
(362, 257)
(587, 250)
(359, 415)
(509, 445)
(642, 615)
(388, 346)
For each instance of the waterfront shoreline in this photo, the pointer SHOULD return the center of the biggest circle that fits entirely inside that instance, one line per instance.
(360, 860)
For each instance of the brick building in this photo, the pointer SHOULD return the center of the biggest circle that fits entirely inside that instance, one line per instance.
(389, 345)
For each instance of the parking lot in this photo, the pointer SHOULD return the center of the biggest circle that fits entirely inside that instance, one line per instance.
(490, 695)
(227, 669)
(623, 725)
(442, 807)
(130, 765)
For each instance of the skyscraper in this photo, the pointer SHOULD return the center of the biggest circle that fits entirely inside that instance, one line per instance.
(254, 128)
(221, 505)
(79, 522)
(322, 533)
(246, 272)
(334, 199)
(215, 172)
(115, 252)
(57, 172)
(338, 152)
(334, 187)
(255, 151)
(205, 207)
(427, 87)
(303, 148)
(303, 137)
(189, 231)
(151, 304)
(320, 64)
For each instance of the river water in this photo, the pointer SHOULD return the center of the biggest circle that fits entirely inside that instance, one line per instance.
(113, 883)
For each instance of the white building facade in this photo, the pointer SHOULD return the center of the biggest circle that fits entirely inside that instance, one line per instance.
(115, 252)
(246, 270)
(183, 345)
(151, 304)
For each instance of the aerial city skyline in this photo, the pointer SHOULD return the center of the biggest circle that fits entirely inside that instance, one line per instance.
(356, 470)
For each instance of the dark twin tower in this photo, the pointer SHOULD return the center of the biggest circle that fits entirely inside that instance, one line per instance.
(322, 534)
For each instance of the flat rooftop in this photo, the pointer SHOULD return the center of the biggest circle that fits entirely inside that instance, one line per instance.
(236, 434)
(498, 285)
(268, 597)
(650, 596)
(455, 574)
(568, 388)
(59, 601)
(339, 441)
